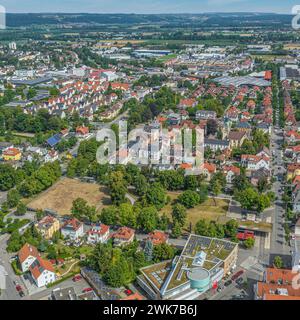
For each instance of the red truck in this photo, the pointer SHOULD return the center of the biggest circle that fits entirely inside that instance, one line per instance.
(244, 235)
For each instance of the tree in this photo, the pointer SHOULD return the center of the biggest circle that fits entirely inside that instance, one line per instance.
(127, 215)
(191, 182)
(13, 198)
(220, 178)
(163, 252)
(21, 209)
(31, 93)
(216, 189)
(262, 184)
(247, 198)
(109, 216)
(212, 127)
(117, 187)
(172, 179)
(201, 227)
(164, 222)
(156, 195)
(54, 92)
(210, 229)
(189, 198)
(118, 274)
(176, 230)
(240, 182)
(278, 262)
(7, 177)
(82, 211)
(141, 185)
(249, 243)
(179, 214)
(5, 207)
(263, 202)
(231, 228)
(148, 219)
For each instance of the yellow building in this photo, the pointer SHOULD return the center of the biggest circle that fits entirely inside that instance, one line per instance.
(293, 170)
(12, 154)
(48, 226)
(69, 156)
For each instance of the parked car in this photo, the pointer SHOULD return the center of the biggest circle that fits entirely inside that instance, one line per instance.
(128, 292)
(77, 278)
(18, 288)
(228, 283)
(87, 290)
(22, 294)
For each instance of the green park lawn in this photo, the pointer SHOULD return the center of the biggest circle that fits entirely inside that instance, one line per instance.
(211, 210)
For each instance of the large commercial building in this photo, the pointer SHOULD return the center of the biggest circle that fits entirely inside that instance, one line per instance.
(242, 81)
(202, 265)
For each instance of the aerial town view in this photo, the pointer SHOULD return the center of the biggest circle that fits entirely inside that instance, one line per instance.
(149, 150)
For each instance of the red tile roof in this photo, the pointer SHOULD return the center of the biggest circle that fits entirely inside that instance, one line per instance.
(72, 223)
(124, 233)
(26, 251)
(39, 266)
(82, 130)
(11, 152)
(157, 237)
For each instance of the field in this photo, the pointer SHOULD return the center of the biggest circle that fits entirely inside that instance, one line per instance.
(268, 57)
(61, 196)
(211, 210)
(167, 58)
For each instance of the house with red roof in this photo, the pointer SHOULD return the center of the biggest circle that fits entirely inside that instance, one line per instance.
(254, 162)
(268, 75)
(187, 103)
(99, 233)
(277, 284)
(231, 172)
(72, 229)
(292, 136)
(123, 236)
(157, 237)
(27, 255)
(209, 169)
(82, 131)
(41, 270)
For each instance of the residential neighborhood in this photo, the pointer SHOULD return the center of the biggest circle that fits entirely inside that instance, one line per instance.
(143, 162)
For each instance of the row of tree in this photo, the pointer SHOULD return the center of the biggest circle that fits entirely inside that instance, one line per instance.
(119, 267)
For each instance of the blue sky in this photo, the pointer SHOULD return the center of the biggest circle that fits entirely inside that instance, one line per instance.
(149, 6)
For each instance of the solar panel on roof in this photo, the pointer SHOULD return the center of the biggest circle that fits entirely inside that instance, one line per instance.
(54, 140)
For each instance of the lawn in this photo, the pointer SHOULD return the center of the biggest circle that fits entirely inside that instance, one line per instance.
(61, 195)
(167, 58)
(209, 210)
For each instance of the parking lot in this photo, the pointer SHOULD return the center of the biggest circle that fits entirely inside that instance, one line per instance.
(45, 294)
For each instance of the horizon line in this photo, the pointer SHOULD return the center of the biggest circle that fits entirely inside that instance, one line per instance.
(158, 13)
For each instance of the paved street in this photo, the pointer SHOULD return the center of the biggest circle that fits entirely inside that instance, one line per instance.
(10, 293)
(278, 243)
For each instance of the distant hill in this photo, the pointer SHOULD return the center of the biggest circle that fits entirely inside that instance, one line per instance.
(206, 20)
